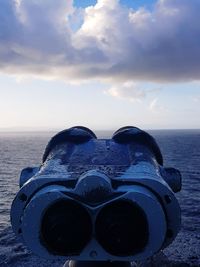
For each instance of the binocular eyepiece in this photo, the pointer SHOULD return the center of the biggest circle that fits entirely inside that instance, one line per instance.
(98, 199)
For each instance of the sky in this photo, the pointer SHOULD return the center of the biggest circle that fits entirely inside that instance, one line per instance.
(103, 64)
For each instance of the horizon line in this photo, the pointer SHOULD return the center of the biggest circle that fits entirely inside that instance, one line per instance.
(57, 129)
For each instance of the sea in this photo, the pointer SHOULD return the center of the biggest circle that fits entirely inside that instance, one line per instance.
(180, 149)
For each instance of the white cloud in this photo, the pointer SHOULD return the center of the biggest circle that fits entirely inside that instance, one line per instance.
(132, 91)
(196, 99)
(114, 42)
(153, 104)
(128, 90)
(156, 107)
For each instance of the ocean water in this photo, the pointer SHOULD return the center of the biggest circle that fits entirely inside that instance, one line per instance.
(181, 149)
(17, 150)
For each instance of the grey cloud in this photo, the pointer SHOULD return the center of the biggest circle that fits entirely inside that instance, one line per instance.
(114, 42)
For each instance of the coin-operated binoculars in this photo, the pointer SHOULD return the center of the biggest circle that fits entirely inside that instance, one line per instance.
(98, 200)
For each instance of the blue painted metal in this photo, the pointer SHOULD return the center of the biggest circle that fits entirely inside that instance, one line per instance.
(112, 198)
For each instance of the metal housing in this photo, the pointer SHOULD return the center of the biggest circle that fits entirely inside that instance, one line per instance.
(96, 173)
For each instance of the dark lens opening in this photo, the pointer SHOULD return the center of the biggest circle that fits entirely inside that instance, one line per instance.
(122, 228)
(66, 228)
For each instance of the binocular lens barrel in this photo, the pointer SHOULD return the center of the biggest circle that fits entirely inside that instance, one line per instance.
(122, 228)
(66, 228)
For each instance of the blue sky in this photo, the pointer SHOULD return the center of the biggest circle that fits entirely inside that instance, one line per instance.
(128, 3)
(114, 64)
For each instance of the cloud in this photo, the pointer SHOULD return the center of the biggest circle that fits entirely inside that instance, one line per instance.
(196, 99)
(153, 104)
(132, 91)
(156, 107)
(128, 90)
(107, 41)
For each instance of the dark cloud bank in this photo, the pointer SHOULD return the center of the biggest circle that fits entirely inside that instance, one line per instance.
(53, 39)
